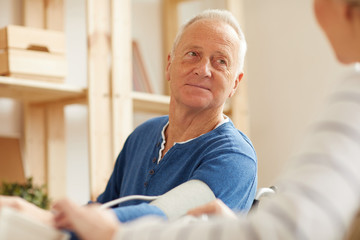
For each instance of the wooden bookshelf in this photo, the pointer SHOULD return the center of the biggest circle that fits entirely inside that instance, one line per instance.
(40, 92)
(154, 103)
(44, 137)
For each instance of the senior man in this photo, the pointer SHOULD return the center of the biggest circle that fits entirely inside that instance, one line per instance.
(196, 149)
(195, 154)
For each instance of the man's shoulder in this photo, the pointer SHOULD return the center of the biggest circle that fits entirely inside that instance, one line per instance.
(228, 130)
(156, 121)
(230, 136)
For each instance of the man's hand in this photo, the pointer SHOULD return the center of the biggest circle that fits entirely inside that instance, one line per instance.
(89, 222)
(216, 207)
(27, 208)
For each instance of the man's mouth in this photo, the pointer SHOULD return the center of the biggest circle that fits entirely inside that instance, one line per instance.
(199, 86)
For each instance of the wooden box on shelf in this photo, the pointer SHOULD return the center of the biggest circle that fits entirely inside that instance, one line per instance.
(32, 53)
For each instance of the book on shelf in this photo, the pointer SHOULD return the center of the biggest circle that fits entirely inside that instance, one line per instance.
(141, 82)
(17, 226)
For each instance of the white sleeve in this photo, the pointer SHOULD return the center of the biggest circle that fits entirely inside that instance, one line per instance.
(184, 197)
(318, 195)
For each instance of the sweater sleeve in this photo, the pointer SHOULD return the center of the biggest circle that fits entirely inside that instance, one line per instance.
(237, 170)
(318, 195)
(129, 213)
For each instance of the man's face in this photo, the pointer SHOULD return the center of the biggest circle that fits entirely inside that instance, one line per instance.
(202, 72)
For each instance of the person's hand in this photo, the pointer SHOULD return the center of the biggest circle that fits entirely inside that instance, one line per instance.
(89, 222)
(27, 208)
(216, 207)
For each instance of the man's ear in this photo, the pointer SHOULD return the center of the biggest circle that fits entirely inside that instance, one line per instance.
(236, 84)
(167, 70)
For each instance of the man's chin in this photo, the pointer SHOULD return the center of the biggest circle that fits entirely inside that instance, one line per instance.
(197, 103)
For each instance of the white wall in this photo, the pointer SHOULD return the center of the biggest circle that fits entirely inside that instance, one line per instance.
(290, 67)
(77, 182)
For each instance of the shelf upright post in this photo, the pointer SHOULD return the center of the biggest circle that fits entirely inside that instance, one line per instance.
(34, 14)
(44, 127)
(56, 150)
(170, 26)
(99, 104)
(121, 81)
(54, 14)
(34, 143)
(34, 116)
(55, 117)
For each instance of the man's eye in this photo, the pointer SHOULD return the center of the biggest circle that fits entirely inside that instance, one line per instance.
(222, 61)
(192, 54)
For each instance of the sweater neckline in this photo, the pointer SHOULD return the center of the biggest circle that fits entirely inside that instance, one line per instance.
(226, 119)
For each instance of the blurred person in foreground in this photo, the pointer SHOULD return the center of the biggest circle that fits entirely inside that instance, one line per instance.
(318, 194)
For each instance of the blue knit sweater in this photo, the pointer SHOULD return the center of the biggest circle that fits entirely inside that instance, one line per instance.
(223, 158)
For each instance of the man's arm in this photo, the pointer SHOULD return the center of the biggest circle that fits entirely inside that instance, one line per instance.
(171, 205)
(184, 197)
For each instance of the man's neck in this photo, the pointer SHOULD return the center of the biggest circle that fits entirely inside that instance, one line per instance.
(185, 124)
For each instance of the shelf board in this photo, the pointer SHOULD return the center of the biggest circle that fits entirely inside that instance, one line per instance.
(154, 103)
(40, 91)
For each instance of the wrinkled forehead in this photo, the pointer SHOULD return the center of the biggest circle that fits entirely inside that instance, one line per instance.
(211, 30)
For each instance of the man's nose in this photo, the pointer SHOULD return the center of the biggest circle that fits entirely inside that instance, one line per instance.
(203, 68)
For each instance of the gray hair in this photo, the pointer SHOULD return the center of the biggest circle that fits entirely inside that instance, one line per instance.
(221, 15)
